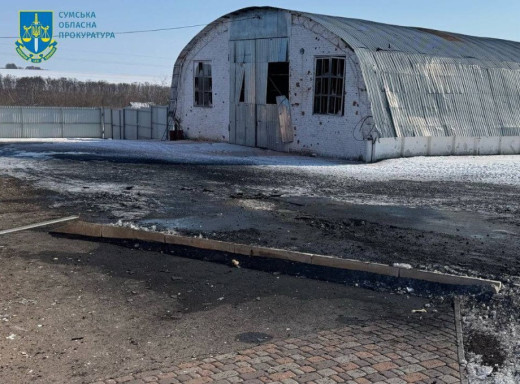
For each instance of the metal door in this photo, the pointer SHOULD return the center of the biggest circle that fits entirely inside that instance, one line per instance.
(271, 50)
(253, 122)
(242, 93)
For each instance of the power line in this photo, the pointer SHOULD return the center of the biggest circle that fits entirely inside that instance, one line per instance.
(160, 29)
(134, 31)
(157, 29)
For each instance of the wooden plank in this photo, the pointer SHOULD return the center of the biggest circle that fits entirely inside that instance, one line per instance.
(284, 119)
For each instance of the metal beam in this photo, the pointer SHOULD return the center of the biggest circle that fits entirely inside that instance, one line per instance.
(36, 225)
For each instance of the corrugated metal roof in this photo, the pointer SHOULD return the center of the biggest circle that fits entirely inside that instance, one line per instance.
(362, 34)
(430, 83)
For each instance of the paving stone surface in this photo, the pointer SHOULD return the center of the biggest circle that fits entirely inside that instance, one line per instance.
(396, 351)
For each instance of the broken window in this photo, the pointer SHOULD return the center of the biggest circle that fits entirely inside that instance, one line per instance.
(329, 85)
(203, 84)
(277, 81)
(242, 98)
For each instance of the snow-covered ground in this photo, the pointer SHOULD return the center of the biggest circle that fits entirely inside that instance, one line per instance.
(482, 169)
(108, 77)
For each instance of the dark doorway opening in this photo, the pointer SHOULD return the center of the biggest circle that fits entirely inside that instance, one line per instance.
(242, 98)
(277, 81)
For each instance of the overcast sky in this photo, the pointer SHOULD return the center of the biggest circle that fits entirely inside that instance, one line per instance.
(153, 54)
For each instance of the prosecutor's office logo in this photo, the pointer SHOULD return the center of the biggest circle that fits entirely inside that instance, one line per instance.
(36, 43)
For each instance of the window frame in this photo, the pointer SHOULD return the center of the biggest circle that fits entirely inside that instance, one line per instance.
(203, 77)
(329, 81)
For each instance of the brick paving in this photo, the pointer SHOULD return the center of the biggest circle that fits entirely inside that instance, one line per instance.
(396, 351)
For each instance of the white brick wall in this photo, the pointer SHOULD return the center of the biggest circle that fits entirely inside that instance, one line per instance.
(321, 134)
(324, 134)
(202, 122)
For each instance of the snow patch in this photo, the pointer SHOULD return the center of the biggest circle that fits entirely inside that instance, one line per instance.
(503, 169)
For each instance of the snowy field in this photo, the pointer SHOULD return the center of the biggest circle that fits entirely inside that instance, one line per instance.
(480, 169)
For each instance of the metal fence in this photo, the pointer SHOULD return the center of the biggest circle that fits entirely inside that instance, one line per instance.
(64, 122)
(139, 124)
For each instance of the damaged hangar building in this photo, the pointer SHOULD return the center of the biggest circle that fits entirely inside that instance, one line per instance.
(332, 86)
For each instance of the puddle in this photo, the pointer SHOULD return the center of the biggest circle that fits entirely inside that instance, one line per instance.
(188, 222)
(232, 219)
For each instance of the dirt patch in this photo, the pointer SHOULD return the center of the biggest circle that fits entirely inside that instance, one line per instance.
(21, 204)
(488, 347)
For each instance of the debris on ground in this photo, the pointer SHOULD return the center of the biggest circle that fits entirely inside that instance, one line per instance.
(402, 265)
(457, 215)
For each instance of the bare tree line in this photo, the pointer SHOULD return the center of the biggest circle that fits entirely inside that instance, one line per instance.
(63, 92)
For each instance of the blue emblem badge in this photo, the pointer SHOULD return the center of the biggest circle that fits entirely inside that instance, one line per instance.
(36, 43)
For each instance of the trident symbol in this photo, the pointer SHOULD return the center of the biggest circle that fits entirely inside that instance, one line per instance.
(35, 30)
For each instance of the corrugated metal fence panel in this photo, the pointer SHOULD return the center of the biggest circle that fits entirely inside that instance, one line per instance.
(82, 123)
(50, 122)
(144, 124)
(11, 122)
(42, 122)
(56, 122)
(130, 124)
(159, 121)
(117, 128)
(107, 123)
